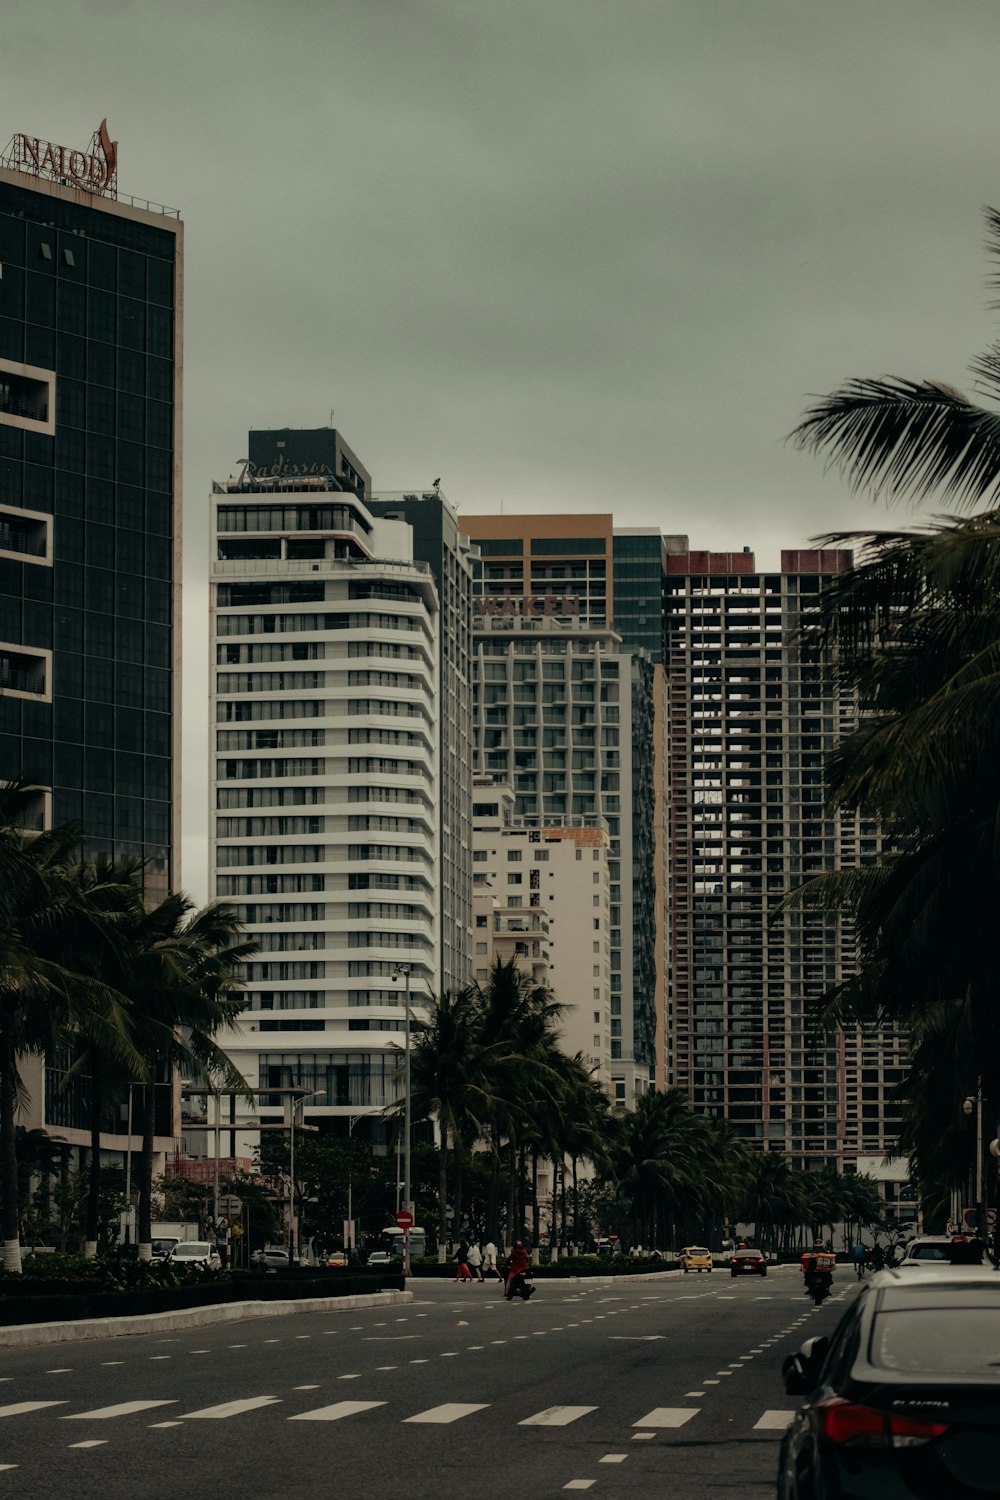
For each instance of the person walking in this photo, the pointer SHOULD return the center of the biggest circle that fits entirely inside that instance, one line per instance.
(464, 1274)
(517, 1271)
(489, 1266)
(475, 1261)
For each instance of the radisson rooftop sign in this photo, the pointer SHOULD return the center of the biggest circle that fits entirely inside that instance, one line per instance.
(94, 170)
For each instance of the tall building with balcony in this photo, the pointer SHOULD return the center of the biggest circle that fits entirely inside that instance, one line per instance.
(752, 715)
(91, 291)
(325, 819)
(560, 704)
(438, 542)
(542, 897)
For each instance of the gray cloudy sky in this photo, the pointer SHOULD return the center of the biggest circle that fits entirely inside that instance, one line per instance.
(568, 254)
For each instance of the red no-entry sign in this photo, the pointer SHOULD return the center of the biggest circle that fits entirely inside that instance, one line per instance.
(404, 1219)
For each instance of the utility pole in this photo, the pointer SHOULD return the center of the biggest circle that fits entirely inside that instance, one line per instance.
(404, 969)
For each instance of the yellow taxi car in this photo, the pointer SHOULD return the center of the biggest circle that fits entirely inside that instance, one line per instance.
(695, 1258)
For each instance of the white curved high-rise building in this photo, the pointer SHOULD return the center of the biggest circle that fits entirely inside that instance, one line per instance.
(324, 830)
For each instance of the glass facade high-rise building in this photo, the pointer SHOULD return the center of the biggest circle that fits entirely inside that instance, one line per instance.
(90, 360)
(565, 713)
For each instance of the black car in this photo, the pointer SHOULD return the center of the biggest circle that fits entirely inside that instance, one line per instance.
(904, 1399)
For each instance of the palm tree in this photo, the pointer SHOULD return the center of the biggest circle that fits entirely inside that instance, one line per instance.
(518, 1035)
(906, 439)
(915, 632)
(447, 1082)
(664, 1168)
(772, 1198)
(918, 627)
(43, 999)
(180, 974)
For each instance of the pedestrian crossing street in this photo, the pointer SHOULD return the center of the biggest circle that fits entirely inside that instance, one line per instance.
(174, 1414)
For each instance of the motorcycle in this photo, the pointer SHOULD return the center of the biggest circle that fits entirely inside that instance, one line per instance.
(817, 1273)
(818, 1285)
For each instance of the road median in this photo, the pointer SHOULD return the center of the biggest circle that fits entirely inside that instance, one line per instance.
(26, 1335)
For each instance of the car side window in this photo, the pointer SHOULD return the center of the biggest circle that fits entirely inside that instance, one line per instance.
(843, 1347)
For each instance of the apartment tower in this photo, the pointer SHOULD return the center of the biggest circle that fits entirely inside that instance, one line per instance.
(325, 821)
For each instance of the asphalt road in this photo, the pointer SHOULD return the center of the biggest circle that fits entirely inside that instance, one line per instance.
(667, 1387)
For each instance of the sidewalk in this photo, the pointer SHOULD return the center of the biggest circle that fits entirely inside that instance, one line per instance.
(27, 1335)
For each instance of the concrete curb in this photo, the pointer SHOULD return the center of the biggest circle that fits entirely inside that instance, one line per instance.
(26, 1335)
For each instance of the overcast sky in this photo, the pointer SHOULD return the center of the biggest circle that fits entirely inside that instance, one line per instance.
(567, 255)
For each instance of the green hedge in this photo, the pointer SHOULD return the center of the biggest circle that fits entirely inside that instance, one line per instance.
(39, 1303)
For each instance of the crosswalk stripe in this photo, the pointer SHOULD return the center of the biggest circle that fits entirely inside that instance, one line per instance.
(556, 1416)
(18, 1407)
(668, 1416)
(451, 1411)
(336, 1411)
(231, 1408)
(123, 1409)
(773, 1421)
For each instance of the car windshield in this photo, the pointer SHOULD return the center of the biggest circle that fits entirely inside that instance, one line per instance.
(938, 1340)
(696, 1250)
(192, 1249)
(930, 1252)
(746, 1253)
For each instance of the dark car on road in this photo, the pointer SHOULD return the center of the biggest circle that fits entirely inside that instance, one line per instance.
(747, 1263)
(904, 1398)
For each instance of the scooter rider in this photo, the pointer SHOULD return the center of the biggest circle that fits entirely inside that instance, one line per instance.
(517, 1270)
(817, 1271)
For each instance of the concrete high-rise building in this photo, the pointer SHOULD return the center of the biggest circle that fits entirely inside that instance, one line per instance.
(438, 541)
(91, 292)
(561, 705)
(325, 785)
(543, 898)
(752, 715)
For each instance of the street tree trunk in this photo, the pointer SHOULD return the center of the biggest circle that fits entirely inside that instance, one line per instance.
(94, 1175)
(144, 1233)
(11, 1225)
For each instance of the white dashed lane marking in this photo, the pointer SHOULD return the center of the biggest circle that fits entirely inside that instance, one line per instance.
(556, 1416)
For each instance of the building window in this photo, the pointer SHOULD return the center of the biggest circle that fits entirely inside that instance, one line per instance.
(25, 673)
(25, 535)
(27, 397)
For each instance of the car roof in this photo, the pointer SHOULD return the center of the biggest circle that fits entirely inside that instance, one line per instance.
(940, 1279)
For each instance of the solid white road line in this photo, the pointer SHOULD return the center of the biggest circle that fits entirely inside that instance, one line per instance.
(451, 1411)
(231, 1408)
(556, 1416)
(668, 1416)
(336, 1411)
(21, 1406)
(123, 1409)
(773, 1421)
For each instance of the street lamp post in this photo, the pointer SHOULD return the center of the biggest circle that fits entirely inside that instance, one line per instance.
(404, 969)
(974, 1104)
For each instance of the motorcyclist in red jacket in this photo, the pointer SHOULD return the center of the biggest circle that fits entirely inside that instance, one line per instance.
(517, 1270)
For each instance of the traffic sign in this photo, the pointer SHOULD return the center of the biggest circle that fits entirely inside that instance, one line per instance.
(404, 1219)
(230, 1206)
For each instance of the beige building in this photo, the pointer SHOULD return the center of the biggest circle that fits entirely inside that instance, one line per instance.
(542, 896)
